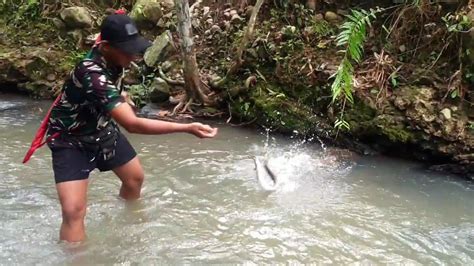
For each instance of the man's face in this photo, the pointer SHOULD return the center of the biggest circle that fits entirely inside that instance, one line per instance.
(117, 56)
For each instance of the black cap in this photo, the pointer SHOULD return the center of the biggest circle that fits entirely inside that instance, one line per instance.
(121, 32)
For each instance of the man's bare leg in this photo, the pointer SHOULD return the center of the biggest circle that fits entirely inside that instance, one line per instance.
(131, 174)
(73, 199)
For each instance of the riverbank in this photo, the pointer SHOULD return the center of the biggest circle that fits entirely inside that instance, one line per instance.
(410, 100)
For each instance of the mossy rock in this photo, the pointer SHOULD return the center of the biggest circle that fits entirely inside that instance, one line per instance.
(38, 68)
(275, 110)
(77, 17)
(397, 133)
(147, 12)
(366, 123)
(359, 113)
(38, 89)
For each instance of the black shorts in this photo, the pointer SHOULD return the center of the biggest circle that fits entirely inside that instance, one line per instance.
(73, 163)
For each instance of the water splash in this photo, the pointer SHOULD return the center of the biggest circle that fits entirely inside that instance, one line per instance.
(299, 161)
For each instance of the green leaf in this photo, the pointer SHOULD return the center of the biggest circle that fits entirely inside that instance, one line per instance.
(352, 35)
(454, 94)
(341, 124)
(394, 81)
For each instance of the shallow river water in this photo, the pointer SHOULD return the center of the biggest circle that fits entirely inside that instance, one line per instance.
(202, 204)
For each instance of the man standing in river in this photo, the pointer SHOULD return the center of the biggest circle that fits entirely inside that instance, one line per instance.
(85, 135)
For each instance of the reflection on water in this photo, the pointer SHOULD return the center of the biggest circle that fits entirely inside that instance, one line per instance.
(202, 203)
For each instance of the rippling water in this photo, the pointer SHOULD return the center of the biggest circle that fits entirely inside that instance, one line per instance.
(202, 204)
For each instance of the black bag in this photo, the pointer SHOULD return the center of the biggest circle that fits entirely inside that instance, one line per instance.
(101, 143)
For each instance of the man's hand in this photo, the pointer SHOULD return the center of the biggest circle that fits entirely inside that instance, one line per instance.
(202, 131)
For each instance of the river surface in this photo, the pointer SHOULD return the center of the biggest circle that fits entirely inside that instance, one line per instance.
(202, 204)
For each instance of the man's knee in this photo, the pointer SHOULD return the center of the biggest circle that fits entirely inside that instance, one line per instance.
(134, 181)
(74, 212)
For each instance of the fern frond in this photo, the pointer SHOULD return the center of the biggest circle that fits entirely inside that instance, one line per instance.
(352, 36)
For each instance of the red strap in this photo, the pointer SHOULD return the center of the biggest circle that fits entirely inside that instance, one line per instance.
(41, 132)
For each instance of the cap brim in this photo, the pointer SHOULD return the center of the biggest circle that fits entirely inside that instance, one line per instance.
(136, 46)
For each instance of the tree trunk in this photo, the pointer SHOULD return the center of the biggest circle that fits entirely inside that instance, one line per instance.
(194, 90)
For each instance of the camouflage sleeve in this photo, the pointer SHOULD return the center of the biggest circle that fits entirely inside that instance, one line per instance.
(101, 90)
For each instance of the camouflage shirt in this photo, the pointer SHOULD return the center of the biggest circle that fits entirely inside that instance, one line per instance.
(89, 94)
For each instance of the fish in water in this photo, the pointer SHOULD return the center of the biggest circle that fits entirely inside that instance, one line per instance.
(265, 176)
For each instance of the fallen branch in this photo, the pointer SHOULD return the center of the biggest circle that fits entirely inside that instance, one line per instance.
(186, 107)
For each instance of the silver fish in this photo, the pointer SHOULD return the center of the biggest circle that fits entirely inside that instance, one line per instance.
(265, 176)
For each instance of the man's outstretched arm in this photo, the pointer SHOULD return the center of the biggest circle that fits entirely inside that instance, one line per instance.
(125, 116)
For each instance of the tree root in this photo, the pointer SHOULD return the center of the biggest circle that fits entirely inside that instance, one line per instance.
(168, 80)
(183, 106)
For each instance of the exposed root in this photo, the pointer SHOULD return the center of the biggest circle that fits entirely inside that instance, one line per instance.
(186, 107)
(168, 80)
(183, 106)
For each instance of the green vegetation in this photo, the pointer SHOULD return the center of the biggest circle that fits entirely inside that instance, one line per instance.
(352, 37)
(20, 13)
(72, 59)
